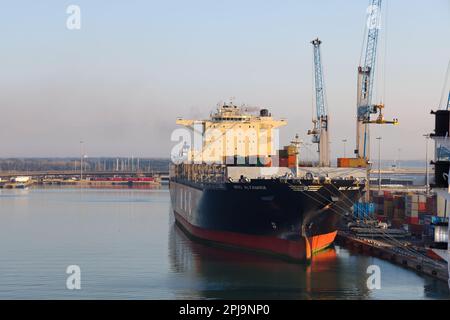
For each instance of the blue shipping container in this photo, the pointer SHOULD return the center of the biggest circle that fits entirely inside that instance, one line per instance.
(363, 210)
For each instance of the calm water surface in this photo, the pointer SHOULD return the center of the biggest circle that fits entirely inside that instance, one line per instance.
(127, 247)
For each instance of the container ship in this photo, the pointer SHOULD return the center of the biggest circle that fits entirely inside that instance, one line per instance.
(235, 189)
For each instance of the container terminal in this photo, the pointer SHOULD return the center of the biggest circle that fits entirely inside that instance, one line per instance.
(389, 218)
(404, 226)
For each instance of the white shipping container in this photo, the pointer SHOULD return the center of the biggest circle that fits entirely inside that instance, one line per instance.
(441, 211)
(440, 234)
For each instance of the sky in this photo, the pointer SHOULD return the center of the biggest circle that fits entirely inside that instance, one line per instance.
(120, 81)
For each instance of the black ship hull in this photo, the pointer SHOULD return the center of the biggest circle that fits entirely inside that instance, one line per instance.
(291, 219)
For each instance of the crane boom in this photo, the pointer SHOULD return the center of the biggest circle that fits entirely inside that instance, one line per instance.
(320, 123)
(370, 57)
(318, 80)
(366, 78)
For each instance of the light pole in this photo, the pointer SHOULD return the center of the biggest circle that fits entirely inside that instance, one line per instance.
(81, 161)
(379, 163)
(344, 141)
(398, 158)
(427, 182)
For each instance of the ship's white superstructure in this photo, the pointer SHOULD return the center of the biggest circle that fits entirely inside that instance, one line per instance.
(232, 133)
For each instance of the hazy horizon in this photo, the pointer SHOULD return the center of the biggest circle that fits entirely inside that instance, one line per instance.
(384, 161)
(120, 81)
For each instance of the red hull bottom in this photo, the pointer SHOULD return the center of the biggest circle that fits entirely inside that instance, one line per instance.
(299, 250)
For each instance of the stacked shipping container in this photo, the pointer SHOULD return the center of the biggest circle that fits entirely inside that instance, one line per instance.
(378, 201)
(416, 210)
(388, 205)
(287, 157)
(442, 207)
(412, 209)
(363, 210)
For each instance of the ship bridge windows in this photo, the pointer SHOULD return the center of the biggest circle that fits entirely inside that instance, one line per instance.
(231, 119)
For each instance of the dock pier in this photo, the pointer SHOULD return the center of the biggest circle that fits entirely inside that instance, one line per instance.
(394, 254)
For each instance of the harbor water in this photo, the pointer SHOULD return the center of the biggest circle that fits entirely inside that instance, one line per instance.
(127, 247)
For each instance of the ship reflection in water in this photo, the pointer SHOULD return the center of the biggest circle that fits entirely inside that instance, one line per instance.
(232, 274)
(211, 272)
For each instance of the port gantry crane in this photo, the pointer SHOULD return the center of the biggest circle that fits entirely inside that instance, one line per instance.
(366, 77)
(320, 122)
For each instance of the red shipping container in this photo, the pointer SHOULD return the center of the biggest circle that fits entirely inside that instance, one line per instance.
(283, 162)
(431, 205)
(416, 229)
(397, 223)
(291, 161)
(422, 206)
(412, 220)
(388, 195)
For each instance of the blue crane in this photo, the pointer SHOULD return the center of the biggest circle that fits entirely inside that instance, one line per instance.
(448, 101)
(366, 77)
(320, 122)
